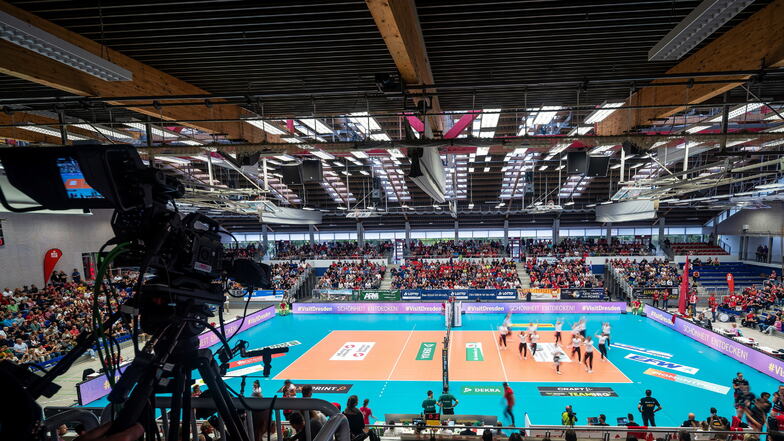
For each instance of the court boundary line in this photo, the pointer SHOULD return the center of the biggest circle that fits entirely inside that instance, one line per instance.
(498, 350)
(400, 355)
(303, 354)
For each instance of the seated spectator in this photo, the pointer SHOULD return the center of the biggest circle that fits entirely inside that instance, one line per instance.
(569, 247)
(352, 275)
(494, 274)
(691, 421)
(298, 424)
(332, 250)
(453, 248)
(575, 273)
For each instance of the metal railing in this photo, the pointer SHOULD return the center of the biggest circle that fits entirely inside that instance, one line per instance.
(336, 426)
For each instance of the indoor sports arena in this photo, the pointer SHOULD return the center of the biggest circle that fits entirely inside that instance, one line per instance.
(392, 220)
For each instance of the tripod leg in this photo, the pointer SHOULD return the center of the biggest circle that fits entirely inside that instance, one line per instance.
(176, 407)
(208, 369)
(187, 413)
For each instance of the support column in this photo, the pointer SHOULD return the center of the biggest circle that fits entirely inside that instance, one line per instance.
(742, 248)
(506, 233)
(408, 235)
(556, 230)
(312, 234)
(457, 227)
(265, 239)
(608, 234)
(360, 234)
(662, 230)
(769, 257)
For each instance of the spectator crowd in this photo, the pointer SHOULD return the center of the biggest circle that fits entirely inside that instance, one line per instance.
(569, 247)
(352, 275)
(332, 250)
(573, 273)
(286, 274)
(456, 274)
(647, 273)
(457, 248)
(39, 324)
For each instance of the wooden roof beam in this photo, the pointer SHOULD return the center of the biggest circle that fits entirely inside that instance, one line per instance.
(398, 23)
(147, 81)
(756, 42)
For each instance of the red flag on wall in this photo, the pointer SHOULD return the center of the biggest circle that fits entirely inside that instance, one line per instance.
(731, 282)
(684, 288)
(50, 261)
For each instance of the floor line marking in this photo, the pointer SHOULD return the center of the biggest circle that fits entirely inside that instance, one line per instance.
(277, 377)
(498, 349)
(400, 355)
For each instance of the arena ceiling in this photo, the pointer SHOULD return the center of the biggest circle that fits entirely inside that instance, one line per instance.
(525, 77)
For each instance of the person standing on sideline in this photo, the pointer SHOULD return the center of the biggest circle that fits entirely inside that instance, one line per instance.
(367, 414)
(447, 402)
(568, 417)
(666, 299)
(693, 303)
(647, 407)
(655, 296)
(713, 304)
(429, 404)
(510, 401)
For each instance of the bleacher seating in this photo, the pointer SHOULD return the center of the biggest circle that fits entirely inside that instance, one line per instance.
(715, 276)
(697, 249)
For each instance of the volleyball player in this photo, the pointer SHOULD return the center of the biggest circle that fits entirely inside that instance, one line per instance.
(606, 328)
(558, 328)
(534, 338)
(603, 338)
(503, 332)
(557, 360)
(576, 342)
(522, 347)
(581, 327)
(588, 355)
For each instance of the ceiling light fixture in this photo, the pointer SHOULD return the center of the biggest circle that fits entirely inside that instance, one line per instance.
(103, 131)
(24, 34)
(602, 112)
(703, 21)
(267, 127)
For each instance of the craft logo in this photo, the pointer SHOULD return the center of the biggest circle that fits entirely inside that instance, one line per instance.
(662, 363)
(353, 351)
(577, 391)
(324, 388)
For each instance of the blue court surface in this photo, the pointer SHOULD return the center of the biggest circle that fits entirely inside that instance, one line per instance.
(690, 361)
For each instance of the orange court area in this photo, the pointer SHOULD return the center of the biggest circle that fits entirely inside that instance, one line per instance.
(416, 356)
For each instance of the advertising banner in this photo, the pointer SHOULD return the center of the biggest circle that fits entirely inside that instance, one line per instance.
(764, 363)
(576, 391)
(487, 389)
(713, 387)
(546, 307)
(662, 363)
(51, 257)
(426, 351)
(543, 293)
(366, 308)
(647, 292)
(459, 294)
(324, 388)
(267, 295)
(582, 293)
(330, 294)
(208, 338)
(95, 388)
(379, 295)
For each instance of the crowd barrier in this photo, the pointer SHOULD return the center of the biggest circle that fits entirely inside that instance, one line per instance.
(768, 365)
(90, 390)
(375, 295)
(467, 308)
(648, 291)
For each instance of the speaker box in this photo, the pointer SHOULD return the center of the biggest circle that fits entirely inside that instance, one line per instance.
(597, 166)
(292, 174)
(311, 171)
(576, 163)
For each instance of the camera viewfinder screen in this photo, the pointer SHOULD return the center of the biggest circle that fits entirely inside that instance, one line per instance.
(76, 186)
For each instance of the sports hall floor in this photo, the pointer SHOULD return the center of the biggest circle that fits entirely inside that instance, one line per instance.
(378, 356)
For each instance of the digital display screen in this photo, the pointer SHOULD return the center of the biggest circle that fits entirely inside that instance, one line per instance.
(76, 186)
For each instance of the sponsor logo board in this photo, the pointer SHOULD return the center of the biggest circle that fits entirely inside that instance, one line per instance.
(576, 391)
(353, 351)
(641, 350)
(713, 387)
(474, 352)
(477, 389)
(662, 363)
(426, 351)
(324, 388)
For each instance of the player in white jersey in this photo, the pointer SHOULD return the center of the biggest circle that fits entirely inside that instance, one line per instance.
(603, 338)
(606, 329)
(575, 345)
(588, 355)
(558, 329)
(522, 347)
(503, 332)
(534, 339)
